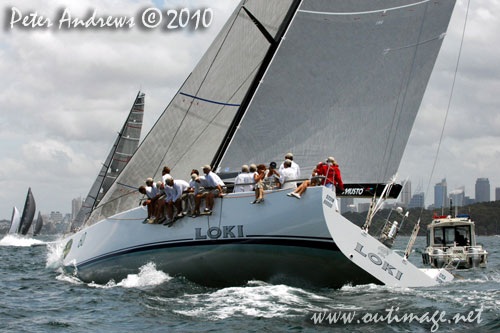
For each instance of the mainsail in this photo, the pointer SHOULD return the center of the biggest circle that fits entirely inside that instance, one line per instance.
(14, 221)
(194, 124)
(347, 81)
(38, 224)
(28, 213)
(120, 154)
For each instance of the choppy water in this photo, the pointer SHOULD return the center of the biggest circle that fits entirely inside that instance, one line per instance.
(37, 297)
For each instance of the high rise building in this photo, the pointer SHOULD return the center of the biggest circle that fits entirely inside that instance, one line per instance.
(347, 205)
(482, 190)
(76, 204)
(56, 217)
(363, 207)
(406, 194)
(417, 200)
(497, 193)
(458, 197)
(441, 194)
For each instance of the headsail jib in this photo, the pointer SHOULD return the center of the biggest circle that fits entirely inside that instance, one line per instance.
(195, 123)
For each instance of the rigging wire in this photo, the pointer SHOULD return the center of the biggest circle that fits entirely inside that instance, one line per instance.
(448, 107)
(402, 94)
(199, 88)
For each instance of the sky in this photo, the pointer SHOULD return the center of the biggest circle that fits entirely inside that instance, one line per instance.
(65, 94)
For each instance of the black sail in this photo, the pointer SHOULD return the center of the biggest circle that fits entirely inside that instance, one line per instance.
(38, 225)
(120, 154)
(28, 213)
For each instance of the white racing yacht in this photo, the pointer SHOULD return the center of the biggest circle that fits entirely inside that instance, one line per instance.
(315, 77)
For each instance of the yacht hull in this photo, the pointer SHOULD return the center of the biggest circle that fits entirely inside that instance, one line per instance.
(283, 240)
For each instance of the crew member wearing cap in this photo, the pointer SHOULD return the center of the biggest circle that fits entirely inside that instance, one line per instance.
(272, 176)
(332, 179)
(175, 190)
(244, 181)
(151, 191)
(214, 187)
(197, 186)
(295, 167)
(332, 175)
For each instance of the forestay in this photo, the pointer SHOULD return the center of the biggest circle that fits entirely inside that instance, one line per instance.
(193, 125)
(347, 81)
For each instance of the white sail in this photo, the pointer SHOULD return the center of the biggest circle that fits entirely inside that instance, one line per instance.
(120, 154)
(14, 221)
(192, 127)
(347, 81)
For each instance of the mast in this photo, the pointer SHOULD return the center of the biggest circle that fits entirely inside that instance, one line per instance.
(257, 80)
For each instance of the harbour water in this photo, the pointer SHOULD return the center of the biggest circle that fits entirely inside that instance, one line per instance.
(38, 297)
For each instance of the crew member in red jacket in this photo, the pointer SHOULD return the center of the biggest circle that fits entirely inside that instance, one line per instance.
(332, 175)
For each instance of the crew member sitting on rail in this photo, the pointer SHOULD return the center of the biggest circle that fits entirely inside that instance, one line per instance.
(288, 174)
(272, 178)
(174, 190)
(253, 172)
(160, 204)
(295, 167)
(333, 178)
(152, 193)
(332, 175)
(243, 178)
(214, 187)
(315, 180)
(199, 184)
(259, 184)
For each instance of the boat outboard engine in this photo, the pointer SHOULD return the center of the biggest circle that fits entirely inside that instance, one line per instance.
(437, 258)
(473, 257)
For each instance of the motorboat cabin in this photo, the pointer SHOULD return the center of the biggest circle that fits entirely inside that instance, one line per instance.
(451, 243)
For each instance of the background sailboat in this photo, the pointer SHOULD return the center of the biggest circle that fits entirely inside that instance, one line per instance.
(38, 224)
(120, 154)
(28, 213)
(14, 221)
